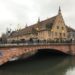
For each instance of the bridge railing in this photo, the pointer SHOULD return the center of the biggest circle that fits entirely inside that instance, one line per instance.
(36, 42)
(26, 44)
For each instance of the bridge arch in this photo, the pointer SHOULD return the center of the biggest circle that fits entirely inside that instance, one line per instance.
(50, 51)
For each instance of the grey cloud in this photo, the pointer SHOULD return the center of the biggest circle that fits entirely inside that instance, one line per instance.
(43, 9)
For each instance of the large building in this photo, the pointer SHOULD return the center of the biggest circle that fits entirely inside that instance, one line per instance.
(53, 28)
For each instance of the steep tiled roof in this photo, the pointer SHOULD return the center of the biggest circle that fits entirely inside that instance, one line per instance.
(40, 25)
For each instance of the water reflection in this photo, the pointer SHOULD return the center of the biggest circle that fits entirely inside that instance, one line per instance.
(41, 65)
(70, 71)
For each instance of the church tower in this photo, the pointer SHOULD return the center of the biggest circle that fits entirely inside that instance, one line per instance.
(59, 11)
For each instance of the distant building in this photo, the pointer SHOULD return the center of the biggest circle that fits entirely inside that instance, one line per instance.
(50, 29)
(71, 35)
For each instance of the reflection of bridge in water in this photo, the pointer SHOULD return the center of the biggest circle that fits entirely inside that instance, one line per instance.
(14, 51)
(49, 66)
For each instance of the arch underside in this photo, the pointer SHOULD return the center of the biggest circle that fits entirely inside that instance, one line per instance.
(52, 51)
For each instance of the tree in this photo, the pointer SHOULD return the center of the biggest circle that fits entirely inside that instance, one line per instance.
(4, 38)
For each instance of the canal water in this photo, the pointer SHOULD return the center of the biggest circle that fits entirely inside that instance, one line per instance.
(42, 63)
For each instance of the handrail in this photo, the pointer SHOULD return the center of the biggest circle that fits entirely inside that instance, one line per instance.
(27, 44)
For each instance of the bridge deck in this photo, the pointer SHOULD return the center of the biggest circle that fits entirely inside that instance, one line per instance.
(9, 51)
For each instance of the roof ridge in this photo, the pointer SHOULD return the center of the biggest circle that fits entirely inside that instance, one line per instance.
(44, 20)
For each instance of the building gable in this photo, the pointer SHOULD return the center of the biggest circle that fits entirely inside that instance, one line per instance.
(59, 28)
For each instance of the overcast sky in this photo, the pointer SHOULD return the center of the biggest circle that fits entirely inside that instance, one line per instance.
(22, 12)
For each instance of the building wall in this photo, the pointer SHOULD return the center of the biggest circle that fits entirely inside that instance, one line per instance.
(59, 29)
(43, 35)
(72, 35)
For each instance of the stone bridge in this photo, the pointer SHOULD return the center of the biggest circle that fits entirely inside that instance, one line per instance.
(11, 51)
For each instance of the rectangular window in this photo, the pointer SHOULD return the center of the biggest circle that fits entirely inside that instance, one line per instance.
(60, 34)
(57, 27)
(62, 28)
(64, 34)
(55, 33)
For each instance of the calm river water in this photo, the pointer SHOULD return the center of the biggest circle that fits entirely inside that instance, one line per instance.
(41, 64)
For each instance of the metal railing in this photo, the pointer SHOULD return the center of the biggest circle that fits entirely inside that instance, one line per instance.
(35, 43)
